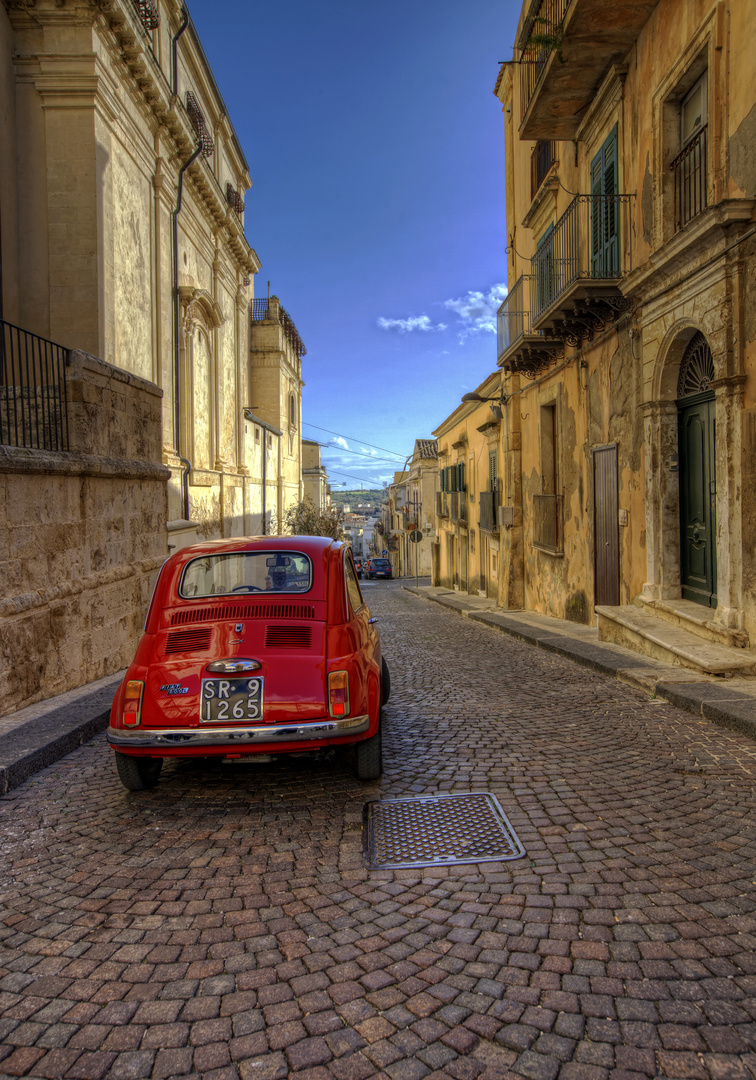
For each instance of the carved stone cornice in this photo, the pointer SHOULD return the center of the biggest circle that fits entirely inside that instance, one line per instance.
(689, 250)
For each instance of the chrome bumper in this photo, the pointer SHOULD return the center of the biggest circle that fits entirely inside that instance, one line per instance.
(157, 738)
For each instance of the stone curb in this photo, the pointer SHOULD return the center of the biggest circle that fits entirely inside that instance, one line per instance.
(47, 732)
(717, 702)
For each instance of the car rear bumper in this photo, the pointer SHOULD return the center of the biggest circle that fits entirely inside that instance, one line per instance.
(171, 738)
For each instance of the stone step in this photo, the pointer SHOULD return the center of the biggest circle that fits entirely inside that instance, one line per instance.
(636, 629)
(696, 619)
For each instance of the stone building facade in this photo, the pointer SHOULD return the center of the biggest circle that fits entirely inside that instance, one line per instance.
(275, 389)
(121, 195)
(626, 343)
(314, 475)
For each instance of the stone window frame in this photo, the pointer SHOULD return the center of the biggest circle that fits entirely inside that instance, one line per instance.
(702, 55)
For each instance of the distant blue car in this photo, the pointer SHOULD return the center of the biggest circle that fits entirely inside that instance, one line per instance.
(378, 568)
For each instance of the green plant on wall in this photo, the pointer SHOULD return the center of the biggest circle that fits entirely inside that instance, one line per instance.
(547, 40)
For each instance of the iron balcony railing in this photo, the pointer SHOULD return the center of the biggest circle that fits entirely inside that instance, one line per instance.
(542, 158)
(541, 35)
(547, 522)
(587, 243)
(488, 501)
(513, 317)
(197, 120)
(33, 400)
(260, 310)
(691, 179)
(148, 13)
(234, 200)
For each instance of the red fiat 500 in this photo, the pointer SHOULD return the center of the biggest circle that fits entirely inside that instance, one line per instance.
(260, 645)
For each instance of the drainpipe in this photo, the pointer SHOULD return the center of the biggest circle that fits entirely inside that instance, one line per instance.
(176, 307)
(264, 479)
(176, 320)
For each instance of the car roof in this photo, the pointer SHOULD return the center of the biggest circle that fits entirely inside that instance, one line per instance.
(313, 546)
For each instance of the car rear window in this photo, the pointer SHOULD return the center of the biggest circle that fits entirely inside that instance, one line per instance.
(246, 572)
(380, 562)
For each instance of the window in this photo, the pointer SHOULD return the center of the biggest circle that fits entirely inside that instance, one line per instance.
(492, 471)
(548, 449)
(353, 586)
(604, 211)
(241, 572)
(690, 166)
(544, 271)
(292, 410)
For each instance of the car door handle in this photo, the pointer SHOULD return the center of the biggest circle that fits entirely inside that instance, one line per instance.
(374, 619)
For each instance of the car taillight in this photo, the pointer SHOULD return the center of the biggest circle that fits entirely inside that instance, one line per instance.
(338, 693)
(132, 703)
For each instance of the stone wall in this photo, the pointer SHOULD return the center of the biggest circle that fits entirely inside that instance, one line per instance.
(82, 535)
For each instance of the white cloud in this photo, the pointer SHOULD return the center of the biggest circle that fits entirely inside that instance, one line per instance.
(412, 322)
(477, 310)
(339, 440)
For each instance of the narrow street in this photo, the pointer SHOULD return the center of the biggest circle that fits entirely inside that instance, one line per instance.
(224, 925)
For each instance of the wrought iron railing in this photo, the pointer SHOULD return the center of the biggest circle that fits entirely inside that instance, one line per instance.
(541, 35)
(260, 309)
(488, 502)
(33, 400)
(542, 158)
(234, 199)
(547, 522)
(148, 14)
(586, 243)
(197, 120)
(691, 179)
(513, 317)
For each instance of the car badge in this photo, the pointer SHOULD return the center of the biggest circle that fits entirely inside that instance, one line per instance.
(174, 688)
(238, 628)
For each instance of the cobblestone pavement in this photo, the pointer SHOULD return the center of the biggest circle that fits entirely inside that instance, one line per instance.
(223, 925)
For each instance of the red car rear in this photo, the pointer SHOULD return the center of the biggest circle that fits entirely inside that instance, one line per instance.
(259, 645)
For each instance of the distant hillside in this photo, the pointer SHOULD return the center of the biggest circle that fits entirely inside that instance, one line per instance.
(368, 497)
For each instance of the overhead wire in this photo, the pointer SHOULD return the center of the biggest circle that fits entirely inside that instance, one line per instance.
(354, 438)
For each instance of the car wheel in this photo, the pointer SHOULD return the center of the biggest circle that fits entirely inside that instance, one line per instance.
(369, 757)
(385, 681)
(138, 773)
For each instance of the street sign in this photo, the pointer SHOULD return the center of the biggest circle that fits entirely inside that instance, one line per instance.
(415, 536)
(385, 553)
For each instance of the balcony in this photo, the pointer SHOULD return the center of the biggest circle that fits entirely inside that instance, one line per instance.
(547, 523)
(458, 506)
(563, 51)
(578, 267)
(488, 503)
(521, 348)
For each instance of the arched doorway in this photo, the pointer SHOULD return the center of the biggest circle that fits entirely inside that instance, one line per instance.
(697, 472)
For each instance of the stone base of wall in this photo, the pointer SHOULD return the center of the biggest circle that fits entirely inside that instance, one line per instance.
(82, 541)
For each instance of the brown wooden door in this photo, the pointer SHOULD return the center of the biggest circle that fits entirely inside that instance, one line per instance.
(606, 526)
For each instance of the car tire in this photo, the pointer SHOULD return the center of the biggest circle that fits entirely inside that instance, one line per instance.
(385, 681)
(138, 773)
(369, 754)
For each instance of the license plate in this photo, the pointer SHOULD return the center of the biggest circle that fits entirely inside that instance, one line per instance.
(231, 700)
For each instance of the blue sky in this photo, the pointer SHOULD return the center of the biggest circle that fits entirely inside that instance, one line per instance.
(376, 149)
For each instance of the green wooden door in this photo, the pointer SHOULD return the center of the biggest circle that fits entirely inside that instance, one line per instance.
(696, 443)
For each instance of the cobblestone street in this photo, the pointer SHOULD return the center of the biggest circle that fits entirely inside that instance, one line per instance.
(223, 925)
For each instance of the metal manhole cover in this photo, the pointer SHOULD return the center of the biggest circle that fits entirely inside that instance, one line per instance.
(438, 830)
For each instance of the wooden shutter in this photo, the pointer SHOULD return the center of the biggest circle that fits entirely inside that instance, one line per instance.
(604, 210)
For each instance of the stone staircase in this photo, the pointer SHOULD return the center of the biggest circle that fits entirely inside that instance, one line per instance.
(678, 632)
